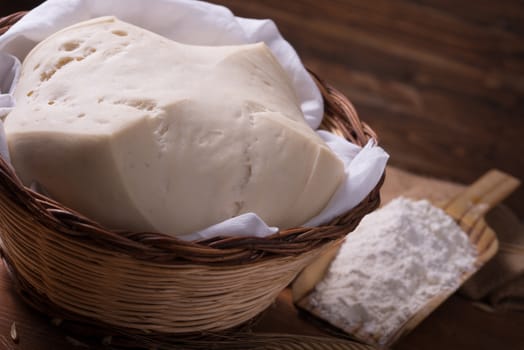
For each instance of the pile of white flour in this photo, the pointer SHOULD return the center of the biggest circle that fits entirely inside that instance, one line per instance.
(397, 259)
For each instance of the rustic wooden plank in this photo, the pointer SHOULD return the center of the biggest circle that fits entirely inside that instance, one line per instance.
(402, 59)
(448, 74)
(507, 15)
(457, 324)
(34, 330)
(442, 83)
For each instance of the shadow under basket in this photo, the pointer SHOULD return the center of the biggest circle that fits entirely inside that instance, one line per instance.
(148, 286)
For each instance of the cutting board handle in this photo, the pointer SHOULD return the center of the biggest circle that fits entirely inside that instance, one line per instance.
(480, 197)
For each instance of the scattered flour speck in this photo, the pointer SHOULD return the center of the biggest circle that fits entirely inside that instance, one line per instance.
(396, 260)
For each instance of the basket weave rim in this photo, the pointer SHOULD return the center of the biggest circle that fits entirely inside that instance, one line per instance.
(340, 117)
(42, 236)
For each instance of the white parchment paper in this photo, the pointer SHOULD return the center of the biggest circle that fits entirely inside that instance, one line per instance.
(199, 23)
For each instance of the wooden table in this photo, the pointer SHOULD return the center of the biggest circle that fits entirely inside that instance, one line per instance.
(441, 83)
(457, 324)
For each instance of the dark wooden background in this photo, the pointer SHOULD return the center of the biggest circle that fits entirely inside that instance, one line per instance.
(441, 81)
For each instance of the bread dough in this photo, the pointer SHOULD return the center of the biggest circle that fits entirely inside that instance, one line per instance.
(143, 133)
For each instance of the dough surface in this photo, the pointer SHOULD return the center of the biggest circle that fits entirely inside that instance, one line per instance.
(143, 133)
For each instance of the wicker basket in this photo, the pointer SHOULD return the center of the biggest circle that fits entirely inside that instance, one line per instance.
(148, 284)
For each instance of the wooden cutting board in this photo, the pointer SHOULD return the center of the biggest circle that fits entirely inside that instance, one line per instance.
(457, 324)
(468, 209)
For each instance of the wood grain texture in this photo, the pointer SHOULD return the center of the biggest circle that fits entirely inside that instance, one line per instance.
(456, 324)
(442, 82)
